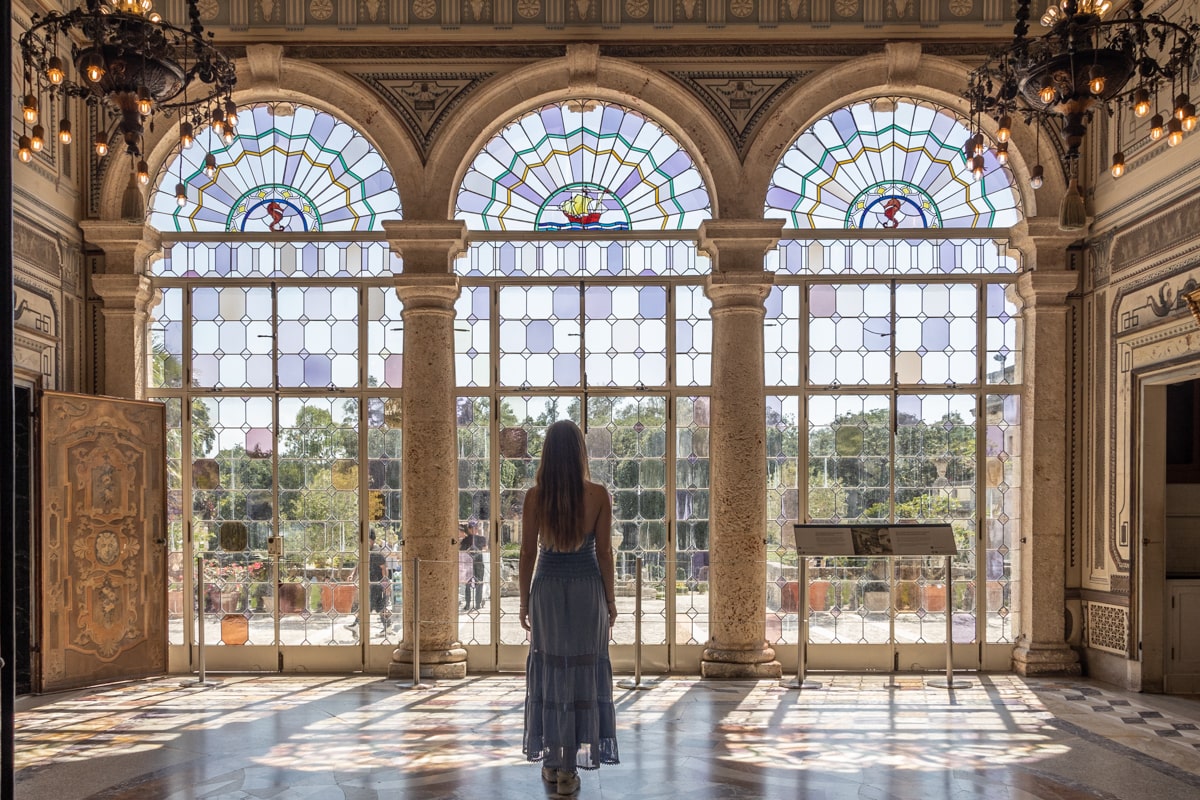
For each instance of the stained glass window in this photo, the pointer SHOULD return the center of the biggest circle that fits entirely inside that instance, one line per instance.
(582, 166)
(290, 168)
(889, 163)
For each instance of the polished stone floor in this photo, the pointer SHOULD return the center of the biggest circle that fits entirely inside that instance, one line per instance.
(359, 737)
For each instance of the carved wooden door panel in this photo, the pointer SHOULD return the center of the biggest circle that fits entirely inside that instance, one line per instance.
(102, 553)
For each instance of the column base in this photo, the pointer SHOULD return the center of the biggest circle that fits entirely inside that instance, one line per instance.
(721, 664)
(435, 664)
(1032, 660)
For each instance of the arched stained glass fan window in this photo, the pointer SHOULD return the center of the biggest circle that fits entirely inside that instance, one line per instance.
(889, 163)
(582, 166)
(288, 168)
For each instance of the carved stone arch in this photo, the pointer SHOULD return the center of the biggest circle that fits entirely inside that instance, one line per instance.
(893, 72)
(508, 96)
(297, 82)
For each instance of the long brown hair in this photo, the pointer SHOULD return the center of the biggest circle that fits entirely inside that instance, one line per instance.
(560, 477)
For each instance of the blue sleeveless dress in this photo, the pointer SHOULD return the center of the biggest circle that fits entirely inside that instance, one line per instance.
(570, 722)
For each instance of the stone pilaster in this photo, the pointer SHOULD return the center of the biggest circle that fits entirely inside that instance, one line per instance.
(1046, 318)
(737, 646)
(127, 297)
(429, 289)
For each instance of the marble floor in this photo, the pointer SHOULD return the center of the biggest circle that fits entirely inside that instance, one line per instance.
(360, 737)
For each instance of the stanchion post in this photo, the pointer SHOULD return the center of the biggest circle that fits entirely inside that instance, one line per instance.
(801, 681)
(949, 682)
(201, 680)
(637, 682)
(416, 628)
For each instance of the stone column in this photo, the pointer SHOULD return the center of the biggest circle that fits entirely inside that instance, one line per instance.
(127, 297)
(737, 646)
(1046, 464)
(428, 288)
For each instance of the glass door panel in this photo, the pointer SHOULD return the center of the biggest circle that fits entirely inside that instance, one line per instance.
(627, 448)
(481, 579)
(384, 510)
(522, 425)
(691, 521)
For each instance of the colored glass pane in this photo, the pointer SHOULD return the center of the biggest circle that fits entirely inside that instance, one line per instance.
(290, 168)
(888, 164)
(582, 166)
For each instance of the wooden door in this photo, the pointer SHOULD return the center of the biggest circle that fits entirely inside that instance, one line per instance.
(103, 540)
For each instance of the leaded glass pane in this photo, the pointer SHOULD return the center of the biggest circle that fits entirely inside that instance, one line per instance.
(783, 510)
(627, 448)
(692, 428)
(258, 259)
(1003, 334)
(177, 566)
(539, 336)
(626, 330)
(781, 336)
(582, 165)
(583, 258)
(885, 164)
(385, 338)
(935, 333)
(693, 336)
(384, 508)
(1002, 520)
(850, 334)
(476, 600)
(473, 336)
(938, 257)
(290, 168)
(166, 341)
(317, 336)
(232, 337)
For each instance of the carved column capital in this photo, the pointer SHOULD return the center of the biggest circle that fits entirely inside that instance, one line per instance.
(128, 246)
(428, 247)
(738, 245)
(1043, 290)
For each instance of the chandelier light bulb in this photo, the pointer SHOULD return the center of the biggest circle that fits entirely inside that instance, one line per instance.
(54, 71)
(1050, 17)
(1002, 154)
(1189, 118)
(1004, 132)
(29, 109)
(210, 165)
(144, 102)
(38, 140)
(979, 148)
(1141, 102)
(977, 167)
(101, 144)
(218, 117)
(1096, 81)
(1156, 127)
(147, 5)
(24, 151)
(227, 134)
(1047, 93)
(1174, 132)
(186, 135)
(1181, 103)
(143, 173)
(1118, 165)
(93, 67)
(1037, 176)
(180, 195)
(64, 131)
(231, 113)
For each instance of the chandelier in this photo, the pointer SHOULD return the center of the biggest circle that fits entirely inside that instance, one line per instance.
(124, 59)
(1085, 63)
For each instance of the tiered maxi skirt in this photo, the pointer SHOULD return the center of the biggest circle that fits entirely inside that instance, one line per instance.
(569, 718)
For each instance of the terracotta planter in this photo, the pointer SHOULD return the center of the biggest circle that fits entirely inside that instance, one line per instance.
(933, 597)
(818, 595)
(338, 597)
(175, 602)
(235, 629)
(291, 598)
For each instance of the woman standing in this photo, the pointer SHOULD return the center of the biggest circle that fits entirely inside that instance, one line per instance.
(568, 607)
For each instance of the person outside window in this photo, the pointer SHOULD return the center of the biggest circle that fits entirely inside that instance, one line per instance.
(474, 544)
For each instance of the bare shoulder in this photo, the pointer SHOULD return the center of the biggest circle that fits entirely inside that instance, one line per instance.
(596, 490)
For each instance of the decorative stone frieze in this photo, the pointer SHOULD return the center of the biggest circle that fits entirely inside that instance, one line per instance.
(737, 646)
(428, 288)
